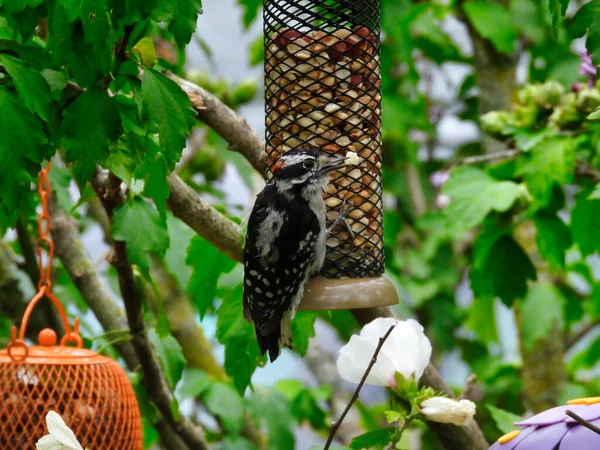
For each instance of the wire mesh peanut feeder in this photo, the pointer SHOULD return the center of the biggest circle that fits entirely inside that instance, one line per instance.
(322, 90)
(91, 392)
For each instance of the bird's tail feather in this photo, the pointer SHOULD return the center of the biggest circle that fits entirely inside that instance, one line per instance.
(280, 336)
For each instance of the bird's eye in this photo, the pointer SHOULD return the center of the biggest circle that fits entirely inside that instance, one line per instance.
(309, 164)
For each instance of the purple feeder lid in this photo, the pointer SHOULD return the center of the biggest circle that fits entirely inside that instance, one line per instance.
(554, 430)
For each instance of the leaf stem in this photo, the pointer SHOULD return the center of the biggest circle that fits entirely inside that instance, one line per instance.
(336, 425)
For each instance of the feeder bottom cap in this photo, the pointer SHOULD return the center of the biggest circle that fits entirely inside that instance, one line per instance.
(352, 159)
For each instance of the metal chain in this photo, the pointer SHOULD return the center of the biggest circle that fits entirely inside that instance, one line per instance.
(44, 233)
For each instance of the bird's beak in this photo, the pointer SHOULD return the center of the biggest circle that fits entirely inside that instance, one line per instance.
(332, 163)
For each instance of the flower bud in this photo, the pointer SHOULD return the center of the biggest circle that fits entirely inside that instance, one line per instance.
(525, 116)
(588, 100)
(566, 115)
(446, 410)
(527, 94)
(244, 92)
(494, 122)
(548, 94)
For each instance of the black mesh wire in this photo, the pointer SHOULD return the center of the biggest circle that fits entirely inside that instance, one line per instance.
(322, 89)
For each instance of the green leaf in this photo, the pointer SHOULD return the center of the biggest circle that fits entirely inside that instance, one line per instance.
(541, 310)
(595, 115)
(526, 139)
(251, 8)
(145, 51)
(236, 443)
(492, 21)
(482, 319)
(588, 358)
(394, 416)
(504, 419)
(23, 146)
(257, 53)
(474, 194)
(143, 230)
(180, 236)
(31, 86)
(60, 178)
(377, 438)
(550, 161)
(170, 356)
(305, 402)
(303, 328)
(242, 355)
(194, 383)
(271, 409)
(592, 43)
(585, 220)
(224, 402)
(494, 252)
(583, 18)
(183, 22)
(14, 6)
(207, 264)
(89, 125)
(166, 108)
(528, 18)
(555, 13)
(57, 82)
(553, 238)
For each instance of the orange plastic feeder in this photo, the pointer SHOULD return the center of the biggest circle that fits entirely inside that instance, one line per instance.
(91, 392)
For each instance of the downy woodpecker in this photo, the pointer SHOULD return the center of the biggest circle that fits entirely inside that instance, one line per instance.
(285, 243)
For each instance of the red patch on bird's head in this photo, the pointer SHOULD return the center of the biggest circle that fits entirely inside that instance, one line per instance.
(278, 165)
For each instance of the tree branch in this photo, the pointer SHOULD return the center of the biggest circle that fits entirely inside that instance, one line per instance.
(187, 205)
(226, 122)
(336, 424)
(84, 276)
(108, 189)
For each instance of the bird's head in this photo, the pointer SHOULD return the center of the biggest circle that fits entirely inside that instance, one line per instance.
(305, 169)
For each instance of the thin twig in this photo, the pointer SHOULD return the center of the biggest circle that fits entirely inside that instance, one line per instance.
(582, 421)
(584, 170)
(575, 338)
(498, 156)
(337, 423)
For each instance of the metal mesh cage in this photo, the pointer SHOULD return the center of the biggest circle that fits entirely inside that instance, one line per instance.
(90, 392)
(322, 90)
(95, 400)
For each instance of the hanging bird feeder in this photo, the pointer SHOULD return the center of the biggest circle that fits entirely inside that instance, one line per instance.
(91, 392)
(322, 90)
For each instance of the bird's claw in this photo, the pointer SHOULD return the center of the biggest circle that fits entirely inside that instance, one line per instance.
(344, 211)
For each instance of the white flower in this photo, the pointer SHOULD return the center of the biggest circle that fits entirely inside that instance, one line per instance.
(60, 436)
(446, 410)
(406, 350)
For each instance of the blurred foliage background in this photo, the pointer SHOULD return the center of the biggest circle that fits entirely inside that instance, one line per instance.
(492, 207)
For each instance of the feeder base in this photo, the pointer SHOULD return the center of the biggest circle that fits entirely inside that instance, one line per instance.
(348, 293)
